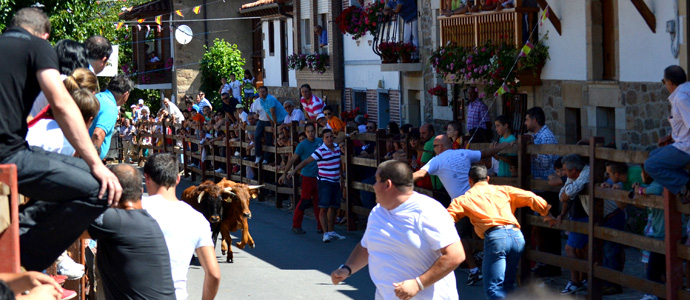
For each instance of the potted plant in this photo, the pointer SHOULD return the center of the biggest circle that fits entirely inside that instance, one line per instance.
(389, 52)
(296, 62)
(529, 67)
(317, 62)
(440, 92)
(405, 51)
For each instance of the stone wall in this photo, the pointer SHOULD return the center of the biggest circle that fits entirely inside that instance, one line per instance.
(426, 47)
(631, 115)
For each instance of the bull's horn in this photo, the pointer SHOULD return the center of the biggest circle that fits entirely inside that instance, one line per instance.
(253, 187)
(229, 191)
(200, 195)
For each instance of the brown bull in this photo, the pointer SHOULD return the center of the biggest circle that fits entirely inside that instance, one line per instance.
(235, 214)
(207, 198)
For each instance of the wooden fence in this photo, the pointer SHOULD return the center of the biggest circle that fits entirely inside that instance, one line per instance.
(675, 252)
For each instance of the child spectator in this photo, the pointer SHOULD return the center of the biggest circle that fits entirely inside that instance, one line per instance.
(505, 132)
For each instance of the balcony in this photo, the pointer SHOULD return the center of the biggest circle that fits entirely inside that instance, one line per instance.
(472, 30)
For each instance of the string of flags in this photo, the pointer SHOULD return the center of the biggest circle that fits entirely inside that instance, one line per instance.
(159, 19)
(524, 51)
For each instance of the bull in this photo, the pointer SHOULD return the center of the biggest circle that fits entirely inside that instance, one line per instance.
(235, 214)
(207, 198)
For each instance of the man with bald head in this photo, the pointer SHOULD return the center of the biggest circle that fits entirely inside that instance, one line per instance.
(452, 167)
(132, 259)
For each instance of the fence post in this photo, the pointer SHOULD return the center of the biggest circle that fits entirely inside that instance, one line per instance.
(243, 171)
(295, 141)
(202, 161)
(596, 218)
(185, 156)
(381, 141)
(349, 152)
(228, 152)
(164, 129)
(674, 265)
(276, 133)
(524, 171)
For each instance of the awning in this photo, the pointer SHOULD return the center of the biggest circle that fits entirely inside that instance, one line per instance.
(263, 8)
(147, 10)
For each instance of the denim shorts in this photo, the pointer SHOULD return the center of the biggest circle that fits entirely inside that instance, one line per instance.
(330, 194)
(577, 240)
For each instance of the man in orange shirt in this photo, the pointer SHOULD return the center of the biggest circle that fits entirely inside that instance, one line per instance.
(491, 210)
(335, 123)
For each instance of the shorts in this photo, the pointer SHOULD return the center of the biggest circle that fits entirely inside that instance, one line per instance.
(330, 194)
(577, 240)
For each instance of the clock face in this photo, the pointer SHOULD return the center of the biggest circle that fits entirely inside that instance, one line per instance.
(183, 34)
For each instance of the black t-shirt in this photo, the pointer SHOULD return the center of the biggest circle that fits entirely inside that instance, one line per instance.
(231, 107)
(22, 56)
(576, 209)
(133, 258)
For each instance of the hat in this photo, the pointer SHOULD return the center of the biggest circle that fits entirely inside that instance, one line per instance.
(239, 106)
(133, 106)
(256, 95)
(141, 101)
(320, 116)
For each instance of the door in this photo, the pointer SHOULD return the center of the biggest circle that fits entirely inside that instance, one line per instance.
(384, 109)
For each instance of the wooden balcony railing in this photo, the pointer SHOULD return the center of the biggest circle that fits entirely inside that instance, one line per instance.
(472, 30)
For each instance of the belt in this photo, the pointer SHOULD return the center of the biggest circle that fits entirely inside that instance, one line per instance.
(499, 227)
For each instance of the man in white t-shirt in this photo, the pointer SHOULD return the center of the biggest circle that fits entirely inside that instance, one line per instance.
(452, 167)
(183, 238)
(409, 253)
(235, 87)
(173, 110)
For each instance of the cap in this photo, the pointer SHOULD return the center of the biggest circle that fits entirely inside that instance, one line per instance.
(239, 106)
(133, 105)
(320, 116)
(141, 101)
(256, 95)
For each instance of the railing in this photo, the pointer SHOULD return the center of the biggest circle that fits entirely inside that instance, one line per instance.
(477, 28)
(9, 234)
(597, 155)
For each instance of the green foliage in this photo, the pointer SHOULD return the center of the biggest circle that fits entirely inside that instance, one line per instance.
(221, 60)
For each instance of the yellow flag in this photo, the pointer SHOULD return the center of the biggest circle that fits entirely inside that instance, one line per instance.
(196, 9)
(140, 21)
(158, 19)
(179, 13)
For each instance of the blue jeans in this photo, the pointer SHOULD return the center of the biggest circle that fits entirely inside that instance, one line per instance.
(258, 134)
(667, 166)
(502, 251)
(64, 202)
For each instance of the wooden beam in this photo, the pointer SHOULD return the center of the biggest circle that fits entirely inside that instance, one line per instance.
(646, 13)
(552, 16)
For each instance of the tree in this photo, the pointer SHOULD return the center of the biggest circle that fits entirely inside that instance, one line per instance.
(221, 60)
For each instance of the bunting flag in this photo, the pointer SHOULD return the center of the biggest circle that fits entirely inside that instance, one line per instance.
(502, 90)
(544, 15)
(148, 28)
(119, 25)
(160, 28)
(196, 9)
(140, 21)
(138, 27)
(126, 27)
(159, 19)
(526, 49)
(179, 13)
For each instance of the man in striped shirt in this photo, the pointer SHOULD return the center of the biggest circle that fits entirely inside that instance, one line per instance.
(327, 159)
(312, 105)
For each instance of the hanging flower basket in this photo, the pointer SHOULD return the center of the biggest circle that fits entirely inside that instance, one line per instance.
(405, 51)
(297, 61)
(317, 63)
(389, 52)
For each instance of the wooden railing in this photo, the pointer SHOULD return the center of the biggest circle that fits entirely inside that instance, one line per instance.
(472, 30)
(675, 251)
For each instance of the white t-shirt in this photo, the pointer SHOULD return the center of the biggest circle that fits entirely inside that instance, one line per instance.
(243, 116)
(297, 115)
(235, 86)
(47, 135)
(405, 242)
(225, 89)
(172, 109)
(453, 167)
(257, 108)
(185, 230)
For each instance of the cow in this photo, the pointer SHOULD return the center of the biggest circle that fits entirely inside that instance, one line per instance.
(207, 198)
(235, 214)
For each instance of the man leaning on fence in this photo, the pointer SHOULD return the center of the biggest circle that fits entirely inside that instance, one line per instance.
(671, 173)
(67, 193)
(491, 209)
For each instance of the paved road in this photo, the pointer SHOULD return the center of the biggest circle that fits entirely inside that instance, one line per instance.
(285, 265)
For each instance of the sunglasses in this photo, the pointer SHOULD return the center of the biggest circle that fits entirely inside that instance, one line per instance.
(327, 114)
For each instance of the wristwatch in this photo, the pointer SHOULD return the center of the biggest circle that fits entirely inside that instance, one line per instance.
(344, 266)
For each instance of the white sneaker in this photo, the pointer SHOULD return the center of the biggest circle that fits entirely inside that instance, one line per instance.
(335, 236)
(237, 153)
(219, 170)
(570, 288)
(258, 159)
(326, 237)
(649, 297)
(70, 269)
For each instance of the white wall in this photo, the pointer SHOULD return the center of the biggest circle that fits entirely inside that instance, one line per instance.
(292, 78)
(363, 66)
(568, 51)
(643, 54)
(272, 73)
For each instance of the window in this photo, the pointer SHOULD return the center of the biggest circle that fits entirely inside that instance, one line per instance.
(361, 101)
(271, 39)
(306, 34)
